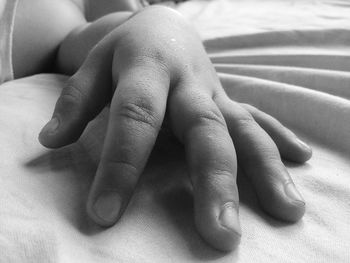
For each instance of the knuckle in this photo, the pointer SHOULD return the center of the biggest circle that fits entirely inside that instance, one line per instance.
(73, 99)
(151, 59)
(119, 164)
(262, 160)
(261, 117)
(154, 59)
(72, 94)
(70, 98)
(239, 115)
(142, 112)
(216, 179)
(249, 107)
(120, 172)
(245, 119)
(211, 117)
(272, 124)
(220, 175)
(270, 118)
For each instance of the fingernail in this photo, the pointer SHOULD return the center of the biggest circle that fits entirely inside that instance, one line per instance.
(293, 193)
(303, 145)
(51, 126)
(107, 206)
(229, 218)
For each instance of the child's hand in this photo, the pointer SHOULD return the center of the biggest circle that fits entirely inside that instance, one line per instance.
(160, 69)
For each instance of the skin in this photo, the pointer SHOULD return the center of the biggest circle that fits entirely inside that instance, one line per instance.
(145, 65)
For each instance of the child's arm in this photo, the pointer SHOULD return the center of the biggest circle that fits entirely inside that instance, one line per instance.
(40, 28)
(97, 9)
(43, 26)
(76, 46)
(157, 62)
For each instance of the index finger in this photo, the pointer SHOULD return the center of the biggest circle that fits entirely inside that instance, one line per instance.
(136, 114)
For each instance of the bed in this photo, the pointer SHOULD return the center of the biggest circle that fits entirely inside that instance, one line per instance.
(290, 58)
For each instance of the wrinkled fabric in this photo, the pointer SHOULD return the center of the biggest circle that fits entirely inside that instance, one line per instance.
(288, 58)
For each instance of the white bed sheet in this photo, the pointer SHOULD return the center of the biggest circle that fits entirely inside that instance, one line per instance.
(289, 58)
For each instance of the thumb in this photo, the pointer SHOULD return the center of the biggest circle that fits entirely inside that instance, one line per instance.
(83, 97)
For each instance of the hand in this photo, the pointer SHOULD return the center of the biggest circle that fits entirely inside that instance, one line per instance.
(161, 70)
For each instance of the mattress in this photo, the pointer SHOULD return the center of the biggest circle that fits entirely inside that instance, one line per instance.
(288, 58)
